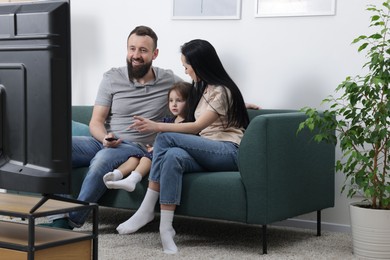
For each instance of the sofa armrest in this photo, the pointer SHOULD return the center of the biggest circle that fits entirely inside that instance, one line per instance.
(285, 174)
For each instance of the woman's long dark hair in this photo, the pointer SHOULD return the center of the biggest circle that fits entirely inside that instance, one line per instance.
(204, 60)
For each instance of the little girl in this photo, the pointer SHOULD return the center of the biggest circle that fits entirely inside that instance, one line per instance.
(131, 172)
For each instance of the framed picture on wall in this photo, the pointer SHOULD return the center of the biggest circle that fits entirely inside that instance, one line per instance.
(274, 8)
(206, 9)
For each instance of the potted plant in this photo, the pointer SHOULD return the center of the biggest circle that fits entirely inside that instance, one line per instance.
(359, 120)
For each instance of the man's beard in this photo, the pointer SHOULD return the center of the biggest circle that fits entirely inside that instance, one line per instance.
(137, 72)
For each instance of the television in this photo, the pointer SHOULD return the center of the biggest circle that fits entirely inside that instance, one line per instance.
(35, 97)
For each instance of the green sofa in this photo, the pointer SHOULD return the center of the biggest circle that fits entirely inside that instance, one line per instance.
(282, 175)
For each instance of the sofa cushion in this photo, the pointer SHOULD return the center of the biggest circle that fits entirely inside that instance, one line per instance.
(79, 129)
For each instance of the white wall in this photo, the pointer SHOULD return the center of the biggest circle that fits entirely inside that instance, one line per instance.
(285, 62)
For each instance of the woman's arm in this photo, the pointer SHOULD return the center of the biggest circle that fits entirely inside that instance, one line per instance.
(146, 125)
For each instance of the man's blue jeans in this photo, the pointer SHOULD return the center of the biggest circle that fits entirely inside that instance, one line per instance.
(87, 151)
(176, 153)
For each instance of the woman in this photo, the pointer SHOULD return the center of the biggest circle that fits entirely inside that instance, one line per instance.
(208, 140)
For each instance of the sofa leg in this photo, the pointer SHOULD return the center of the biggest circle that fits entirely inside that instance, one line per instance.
(264, 227)
(318, 223)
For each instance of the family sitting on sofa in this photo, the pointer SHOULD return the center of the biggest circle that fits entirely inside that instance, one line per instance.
(207, 137)
(204, 139)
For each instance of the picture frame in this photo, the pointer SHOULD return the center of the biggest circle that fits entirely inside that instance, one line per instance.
(206, 9)
(280, 8)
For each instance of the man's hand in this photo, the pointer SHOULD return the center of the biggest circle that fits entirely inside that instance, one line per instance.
(110, 140)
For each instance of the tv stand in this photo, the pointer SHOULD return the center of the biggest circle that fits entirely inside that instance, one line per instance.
(46, 197)
(29, 241)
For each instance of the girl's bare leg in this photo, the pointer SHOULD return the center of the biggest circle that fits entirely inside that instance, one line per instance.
(130, 165)
(123, 171)
(135, 177)
(143, 166)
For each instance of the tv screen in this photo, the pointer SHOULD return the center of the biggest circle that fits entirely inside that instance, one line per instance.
(35, 97)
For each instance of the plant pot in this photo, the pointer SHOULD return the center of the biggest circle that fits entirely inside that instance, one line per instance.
(370, 232)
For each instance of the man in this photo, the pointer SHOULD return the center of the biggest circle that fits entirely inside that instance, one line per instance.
(138, 89)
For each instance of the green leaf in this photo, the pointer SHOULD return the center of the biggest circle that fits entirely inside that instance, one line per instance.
(376, 36)
(361, 37)
(375, 18)
(363, 46)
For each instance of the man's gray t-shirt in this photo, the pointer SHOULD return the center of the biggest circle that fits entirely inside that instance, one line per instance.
(127, 98)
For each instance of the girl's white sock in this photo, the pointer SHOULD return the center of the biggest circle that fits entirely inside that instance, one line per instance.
(167, 233)
(115, 175)
(127, 183)
(142, 216)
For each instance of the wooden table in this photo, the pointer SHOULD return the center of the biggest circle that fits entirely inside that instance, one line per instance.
(29, 241)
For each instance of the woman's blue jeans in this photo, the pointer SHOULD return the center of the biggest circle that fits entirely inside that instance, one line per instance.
(87, 151)
(176, 153)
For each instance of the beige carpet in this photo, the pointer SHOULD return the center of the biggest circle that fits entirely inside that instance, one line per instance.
(200, 239)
